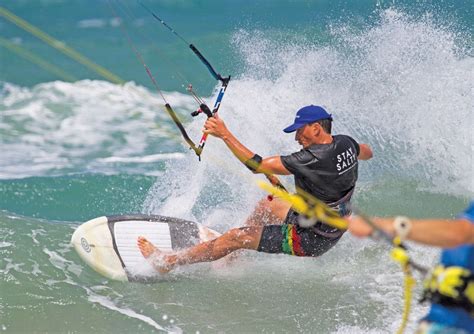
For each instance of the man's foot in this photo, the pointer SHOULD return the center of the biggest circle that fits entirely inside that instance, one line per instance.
(146, 247)
(153, 255)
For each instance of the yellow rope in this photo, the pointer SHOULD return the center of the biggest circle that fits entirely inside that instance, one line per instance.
(400, 255)
(60, 46)
(36, 60)
(409, 284)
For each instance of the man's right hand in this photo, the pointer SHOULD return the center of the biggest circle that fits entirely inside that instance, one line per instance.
(216, 127)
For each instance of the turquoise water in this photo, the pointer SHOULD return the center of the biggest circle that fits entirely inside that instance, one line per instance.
(394, 74)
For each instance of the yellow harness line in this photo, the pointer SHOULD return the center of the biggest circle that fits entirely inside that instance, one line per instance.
(311, 207)
(60, 46)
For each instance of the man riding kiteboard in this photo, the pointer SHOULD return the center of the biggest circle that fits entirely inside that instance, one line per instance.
(326, 167)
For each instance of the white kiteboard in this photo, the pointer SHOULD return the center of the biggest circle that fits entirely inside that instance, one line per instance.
(108, 244)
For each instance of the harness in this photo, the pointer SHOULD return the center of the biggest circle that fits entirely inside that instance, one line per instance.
(451, 286)
(342, 207)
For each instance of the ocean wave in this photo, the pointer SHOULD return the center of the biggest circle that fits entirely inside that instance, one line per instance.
(73, 127)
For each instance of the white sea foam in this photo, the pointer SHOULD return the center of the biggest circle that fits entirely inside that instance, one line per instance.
(84, 126)
(144, 159)
(402, 86)
(105, 302)
(92, 23)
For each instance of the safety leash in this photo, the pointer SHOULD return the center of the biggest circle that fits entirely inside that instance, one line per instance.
(399, 254)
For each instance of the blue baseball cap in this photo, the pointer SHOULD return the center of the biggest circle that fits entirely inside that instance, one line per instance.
(307, 115)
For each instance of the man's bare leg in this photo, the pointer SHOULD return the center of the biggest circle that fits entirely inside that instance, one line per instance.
(265, 213)
(268, 213)
(232, 240)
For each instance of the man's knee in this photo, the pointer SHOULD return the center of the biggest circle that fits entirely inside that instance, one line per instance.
(244, 237)
(264, 206)
(269, 212)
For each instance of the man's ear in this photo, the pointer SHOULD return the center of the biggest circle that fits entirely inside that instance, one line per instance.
(316, 129)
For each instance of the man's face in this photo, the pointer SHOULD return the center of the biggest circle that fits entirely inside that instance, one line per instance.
(304, 135)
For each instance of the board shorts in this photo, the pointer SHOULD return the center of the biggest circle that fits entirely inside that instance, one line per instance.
(427, 327)
(292, 239)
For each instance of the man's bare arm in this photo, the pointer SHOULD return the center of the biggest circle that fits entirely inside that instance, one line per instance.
(436, 232)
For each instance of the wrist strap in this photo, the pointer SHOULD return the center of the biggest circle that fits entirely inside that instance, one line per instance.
(254, 162)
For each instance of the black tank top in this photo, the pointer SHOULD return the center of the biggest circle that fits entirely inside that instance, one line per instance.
(327, 171)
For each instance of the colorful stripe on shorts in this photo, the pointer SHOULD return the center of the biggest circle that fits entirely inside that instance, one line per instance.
(292, 242)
